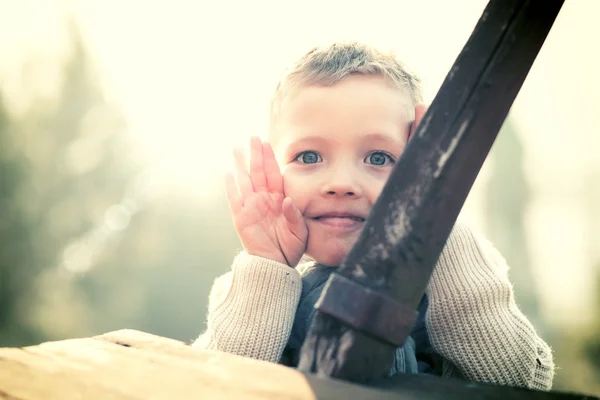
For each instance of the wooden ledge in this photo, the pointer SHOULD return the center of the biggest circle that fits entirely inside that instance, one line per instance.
(129, 364)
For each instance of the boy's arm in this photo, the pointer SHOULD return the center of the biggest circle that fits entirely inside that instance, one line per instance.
(251, 309)
(474, 323)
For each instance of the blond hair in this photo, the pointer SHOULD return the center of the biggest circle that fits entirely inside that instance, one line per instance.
(329, 65)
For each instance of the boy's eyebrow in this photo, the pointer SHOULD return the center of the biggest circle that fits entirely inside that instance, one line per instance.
(312, 139)
(380, 137)
(374, 136)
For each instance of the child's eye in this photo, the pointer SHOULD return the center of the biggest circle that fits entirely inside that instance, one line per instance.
(379, 158)
(308, 157)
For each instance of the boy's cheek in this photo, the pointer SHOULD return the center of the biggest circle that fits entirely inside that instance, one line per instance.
(299, 188)
(382, 180)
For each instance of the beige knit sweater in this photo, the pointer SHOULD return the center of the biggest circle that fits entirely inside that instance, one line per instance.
(472, 320)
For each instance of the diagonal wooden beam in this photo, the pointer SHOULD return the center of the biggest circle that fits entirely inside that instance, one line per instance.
(368, 306)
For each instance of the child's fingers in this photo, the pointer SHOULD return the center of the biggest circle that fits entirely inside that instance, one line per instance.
(241, 174)
(235, 200)
(257, 172)
(420, 110)
(272, 172)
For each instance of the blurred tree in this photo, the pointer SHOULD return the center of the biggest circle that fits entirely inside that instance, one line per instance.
(166, 263)
(76, 169)
(101, 243)
(15, 241)
(591, 348)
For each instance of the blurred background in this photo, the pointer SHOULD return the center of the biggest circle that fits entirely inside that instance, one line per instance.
(116, 123)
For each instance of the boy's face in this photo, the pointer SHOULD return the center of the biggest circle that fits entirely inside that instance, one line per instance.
(336, 147)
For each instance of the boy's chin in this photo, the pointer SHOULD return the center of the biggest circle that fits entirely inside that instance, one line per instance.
(330, 255)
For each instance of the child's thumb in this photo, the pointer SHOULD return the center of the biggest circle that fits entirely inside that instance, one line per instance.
(293, 216)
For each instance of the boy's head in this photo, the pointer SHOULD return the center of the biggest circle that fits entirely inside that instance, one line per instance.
(339, 121)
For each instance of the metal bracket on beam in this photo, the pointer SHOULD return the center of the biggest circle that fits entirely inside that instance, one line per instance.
(367, 310)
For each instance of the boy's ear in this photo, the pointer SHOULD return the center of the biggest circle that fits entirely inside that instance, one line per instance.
(420, 110)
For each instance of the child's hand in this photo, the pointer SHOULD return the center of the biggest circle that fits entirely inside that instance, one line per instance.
(268, 223)
(420, 110)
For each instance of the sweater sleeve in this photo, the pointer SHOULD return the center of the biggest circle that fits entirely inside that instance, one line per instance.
(474, 323)
(251, 309)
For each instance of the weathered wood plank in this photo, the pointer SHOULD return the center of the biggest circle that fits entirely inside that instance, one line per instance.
(131, 365)
(146, 373)
(411, 220)
(25, 376)
(147, 341)
(144, 366)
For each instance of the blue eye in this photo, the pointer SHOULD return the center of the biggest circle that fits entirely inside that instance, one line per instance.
(308, 157)
(379, 158)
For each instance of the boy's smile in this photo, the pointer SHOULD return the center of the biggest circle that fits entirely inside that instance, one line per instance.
(338, 219)
(336, 146)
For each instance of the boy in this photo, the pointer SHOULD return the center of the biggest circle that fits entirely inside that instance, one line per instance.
(339, 121)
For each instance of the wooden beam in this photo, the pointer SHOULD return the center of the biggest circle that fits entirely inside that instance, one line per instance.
(394, 256)
(133, 365)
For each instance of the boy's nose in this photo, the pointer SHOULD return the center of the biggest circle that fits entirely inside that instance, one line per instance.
(340, 192)
(342, 187)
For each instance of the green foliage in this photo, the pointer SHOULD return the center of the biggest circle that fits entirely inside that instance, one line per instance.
(592, 345)
(50, 194)
(15, 238)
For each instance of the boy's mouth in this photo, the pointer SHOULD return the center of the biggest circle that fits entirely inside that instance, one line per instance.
(340, 220)
(341, 216)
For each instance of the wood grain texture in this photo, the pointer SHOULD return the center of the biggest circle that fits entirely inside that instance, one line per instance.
(135, 365)
(132, 365)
